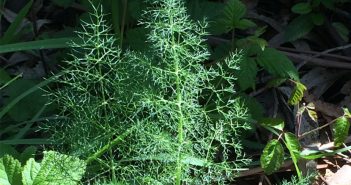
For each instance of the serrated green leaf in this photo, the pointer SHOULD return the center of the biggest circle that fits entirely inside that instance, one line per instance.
(275, 123)
(10, 171)
(262, 43)
(28, 153)
(255, 109)
(244, 24)
(277, 64)
(340, 130)
(59, 169)
(297, 94)
(200, 9)
(317, 18)
(276, 82)
(342, 30)
(272, 157)
(298, 28)
(30, 171)
(247, 73)
(7, 150)
(311, 112)
(230, 18)
(301, 8)
(293, 145)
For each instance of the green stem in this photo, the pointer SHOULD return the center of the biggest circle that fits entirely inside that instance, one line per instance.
(111, 144)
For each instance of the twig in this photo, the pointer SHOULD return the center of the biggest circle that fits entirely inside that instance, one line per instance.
(258, 170)
(315, 53)
(317, 61)
(316, 129)
(324, 52)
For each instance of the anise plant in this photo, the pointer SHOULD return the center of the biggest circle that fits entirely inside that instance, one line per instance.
(157, 117)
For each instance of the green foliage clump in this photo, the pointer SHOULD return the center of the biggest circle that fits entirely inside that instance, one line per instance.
(164, 116)
(55, 169)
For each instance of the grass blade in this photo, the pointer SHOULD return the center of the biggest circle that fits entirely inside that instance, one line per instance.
(39, 44)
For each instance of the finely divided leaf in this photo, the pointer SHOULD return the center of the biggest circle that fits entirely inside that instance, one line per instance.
(10, 171)
(340, 130)
(297, 94)
(277, 64)
(272, 156)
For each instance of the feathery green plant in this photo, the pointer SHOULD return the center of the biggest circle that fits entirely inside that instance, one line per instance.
(158, 117)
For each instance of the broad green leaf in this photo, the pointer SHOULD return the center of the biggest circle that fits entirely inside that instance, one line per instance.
(244, 24)
(30, 171)
(293, 145)
(340, 130)
(272, 157)
(200, 9)
(297, 94)
(232, 13)
(311, 111)
(275, 123)
(28, 153)
(56, 169)
(10, 171)
(317, 18)
(247, 73)
(298, 28)
(277, 64)
(259, 31)
(276, 82)
(301, 8)
(234, 10)
(255, 109)
(262, 43)
(7, 150)
(342, 30)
